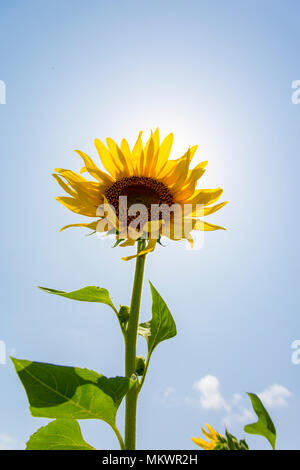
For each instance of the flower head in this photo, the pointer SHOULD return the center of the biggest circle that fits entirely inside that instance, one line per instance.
(219, 442)
(212, 436)
(142, 194)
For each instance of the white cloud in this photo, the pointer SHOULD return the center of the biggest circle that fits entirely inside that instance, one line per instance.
(167, 396)
(236, 399)
(236, 409)
(210, 397)
(275, 396)
(238, 415)
(9, 443)
(167, 392)
(245, 415)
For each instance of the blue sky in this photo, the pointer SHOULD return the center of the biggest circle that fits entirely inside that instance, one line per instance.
(217, 74)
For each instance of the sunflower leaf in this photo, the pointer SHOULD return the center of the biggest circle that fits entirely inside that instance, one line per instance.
(162, 325)
(264, 426)
(61, 434)
(86, 294)
(70, 392)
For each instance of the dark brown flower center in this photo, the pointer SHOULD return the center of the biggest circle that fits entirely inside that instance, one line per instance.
(139, 190)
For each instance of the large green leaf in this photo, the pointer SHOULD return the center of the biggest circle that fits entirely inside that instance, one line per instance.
(61, 434)
(86, 294)
(161, 326)
(264, 426)
(70, 392)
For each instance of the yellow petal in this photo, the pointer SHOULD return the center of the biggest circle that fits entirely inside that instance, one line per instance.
(169, 168)
(193, 151)
(152, 170)
(205, 196)
(164, 152)
(128, 258)
(206, 227)
(125, 165)
(196, 172)
(126, 149)
(87, 195)
(93, 169)
(64, 185)
(202, 443)
(107, 159)
(181, 174)
(149, 157)
(156, 139)
(185, 193)
(175, 170)
(200, 210)
(214, 433)
(128, 242)
(70, 175)
(211, 209)
(75, 206)
(151, 153)
(150, 247)
(141, 163)
(87, 192)
(136, 153)
(91, 226)
(207, 434)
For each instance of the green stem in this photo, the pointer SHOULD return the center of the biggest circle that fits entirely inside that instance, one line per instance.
(120, 439)
(130, 349)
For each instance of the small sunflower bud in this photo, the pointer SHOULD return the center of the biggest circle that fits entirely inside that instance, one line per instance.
(124, 314)
(230, 442)
(139, 365)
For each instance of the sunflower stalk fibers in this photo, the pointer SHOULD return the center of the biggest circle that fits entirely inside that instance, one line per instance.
(130, 349)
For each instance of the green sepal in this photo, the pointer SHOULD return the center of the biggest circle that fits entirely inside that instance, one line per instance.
(230, 442)
(159, 241)
(91, 233)
(120, 240)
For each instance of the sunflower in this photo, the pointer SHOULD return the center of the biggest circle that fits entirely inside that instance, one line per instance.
(213, 436)
(162, 191)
